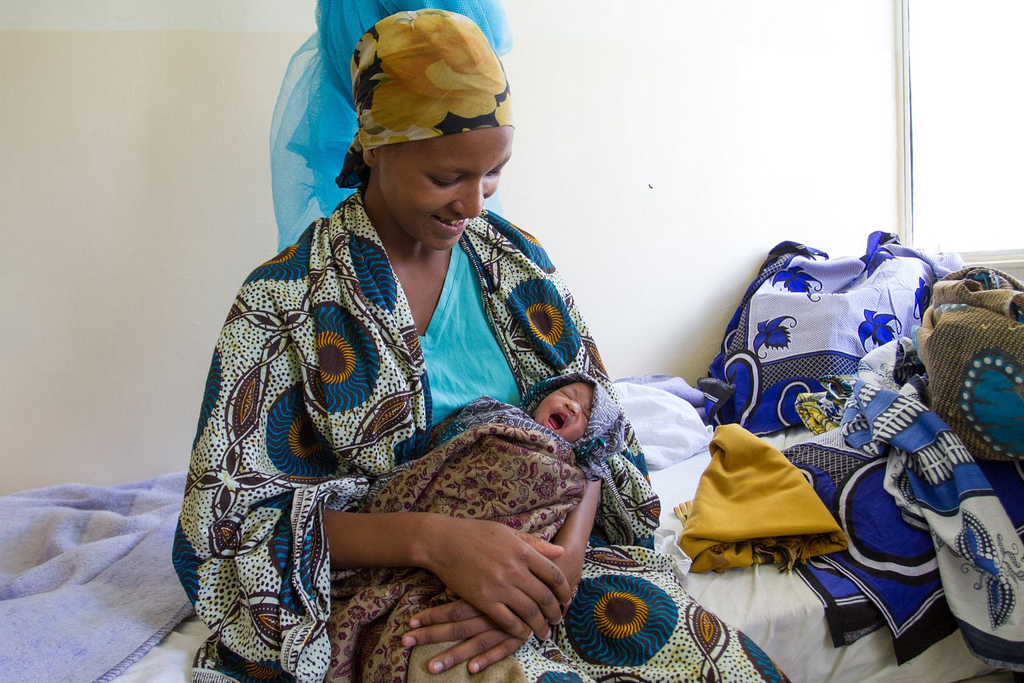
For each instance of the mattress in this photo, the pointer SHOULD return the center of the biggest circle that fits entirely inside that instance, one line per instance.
(777, 610)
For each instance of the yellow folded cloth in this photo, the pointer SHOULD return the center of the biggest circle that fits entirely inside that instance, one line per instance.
(754, 506)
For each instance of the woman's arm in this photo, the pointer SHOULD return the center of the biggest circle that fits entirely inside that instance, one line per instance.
(508, 576)
(482, 642)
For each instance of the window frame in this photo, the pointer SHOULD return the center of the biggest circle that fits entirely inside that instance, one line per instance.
(1010, 261)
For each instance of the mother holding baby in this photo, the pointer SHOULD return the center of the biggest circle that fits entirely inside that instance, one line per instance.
(338, 359)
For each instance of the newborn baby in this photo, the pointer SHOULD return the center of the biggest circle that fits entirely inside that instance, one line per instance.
(574, 407)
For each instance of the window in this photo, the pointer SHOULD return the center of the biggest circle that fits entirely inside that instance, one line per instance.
(963, 137)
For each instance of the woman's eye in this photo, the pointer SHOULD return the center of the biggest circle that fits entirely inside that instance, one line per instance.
(442, 182)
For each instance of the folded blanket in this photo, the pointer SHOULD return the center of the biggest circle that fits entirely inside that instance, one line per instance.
(753, 506)
(86, 581)
(677, 386)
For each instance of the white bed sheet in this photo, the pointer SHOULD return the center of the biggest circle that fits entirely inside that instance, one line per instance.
(776, 610)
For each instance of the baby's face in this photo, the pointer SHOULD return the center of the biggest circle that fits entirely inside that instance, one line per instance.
(566, 411)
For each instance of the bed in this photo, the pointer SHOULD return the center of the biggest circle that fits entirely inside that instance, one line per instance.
(159, 634)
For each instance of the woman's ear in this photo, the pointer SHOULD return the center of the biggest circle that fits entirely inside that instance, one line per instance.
(370, 157)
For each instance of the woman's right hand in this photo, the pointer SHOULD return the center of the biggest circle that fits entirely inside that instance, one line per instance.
(477, 640)
(506, 574)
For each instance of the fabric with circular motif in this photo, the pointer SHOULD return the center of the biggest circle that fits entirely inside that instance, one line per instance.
(537, 306)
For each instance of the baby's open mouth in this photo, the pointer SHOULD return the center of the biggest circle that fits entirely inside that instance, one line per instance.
(556, 421)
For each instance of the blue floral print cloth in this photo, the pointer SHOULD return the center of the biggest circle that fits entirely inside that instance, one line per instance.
(806, 316)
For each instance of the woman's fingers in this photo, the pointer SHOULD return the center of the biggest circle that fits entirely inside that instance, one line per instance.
(460, 610)
(510, 577)
(520, 616)
(548, 603)
(447, 631)
(481, 651)
(494, 655)
(552, 592)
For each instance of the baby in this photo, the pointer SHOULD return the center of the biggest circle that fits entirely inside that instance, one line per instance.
(525, 468)
(574, 407)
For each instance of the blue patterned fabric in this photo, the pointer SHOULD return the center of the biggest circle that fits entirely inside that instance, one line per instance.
(625, 620)
(806, 316)
(939, 487)
(898, 479)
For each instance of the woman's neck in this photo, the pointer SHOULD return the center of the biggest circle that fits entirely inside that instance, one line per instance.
(422, 279)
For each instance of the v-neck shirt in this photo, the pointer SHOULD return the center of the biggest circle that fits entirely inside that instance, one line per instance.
(464, 361)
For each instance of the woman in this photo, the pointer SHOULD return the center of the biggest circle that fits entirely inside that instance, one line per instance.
(342, 353)
(315, 116)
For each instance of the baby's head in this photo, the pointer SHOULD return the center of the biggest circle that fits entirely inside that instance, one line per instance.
(579, 410)
(566, 410)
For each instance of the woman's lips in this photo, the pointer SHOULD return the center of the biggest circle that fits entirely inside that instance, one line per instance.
(453, 226)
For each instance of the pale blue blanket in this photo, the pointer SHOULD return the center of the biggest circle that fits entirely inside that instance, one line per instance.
(86, 580)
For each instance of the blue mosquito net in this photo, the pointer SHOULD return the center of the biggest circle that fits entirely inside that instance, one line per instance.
(315, 119)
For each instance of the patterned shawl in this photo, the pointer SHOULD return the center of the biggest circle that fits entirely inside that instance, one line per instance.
(972, 342)
(317, 387)
(939, 487)
(934, 537)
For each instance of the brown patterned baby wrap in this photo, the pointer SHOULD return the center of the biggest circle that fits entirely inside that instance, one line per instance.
(972, 343)
(524, 478)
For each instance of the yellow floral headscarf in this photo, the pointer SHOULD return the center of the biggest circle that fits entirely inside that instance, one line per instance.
(423, 74)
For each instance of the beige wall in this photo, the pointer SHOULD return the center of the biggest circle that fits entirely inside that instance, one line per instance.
(660, 152)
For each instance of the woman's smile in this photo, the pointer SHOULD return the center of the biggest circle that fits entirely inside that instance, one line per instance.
(454, 226)
(421, 194)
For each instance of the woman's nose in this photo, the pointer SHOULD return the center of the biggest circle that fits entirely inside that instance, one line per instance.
(470, 201)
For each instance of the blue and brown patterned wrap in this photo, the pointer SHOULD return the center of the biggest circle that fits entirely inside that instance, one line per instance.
(420, 75)
(318, 386)
(972, 343)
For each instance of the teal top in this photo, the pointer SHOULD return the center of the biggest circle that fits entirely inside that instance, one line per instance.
(464, 361)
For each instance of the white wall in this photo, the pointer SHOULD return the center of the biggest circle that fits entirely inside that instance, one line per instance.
(662, 147)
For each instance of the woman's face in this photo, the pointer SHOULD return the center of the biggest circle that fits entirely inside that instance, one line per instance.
(420, 194)
(566, 411)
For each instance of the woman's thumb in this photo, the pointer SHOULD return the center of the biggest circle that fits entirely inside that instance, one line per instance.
(548, 550)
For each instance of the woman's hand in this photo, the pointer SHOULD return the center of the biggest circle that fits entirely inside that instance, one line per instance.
(508, 576)
(482, 643)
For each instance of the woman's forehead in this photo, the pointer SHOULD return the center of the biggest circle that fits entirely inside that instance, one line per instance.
(471, 151)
